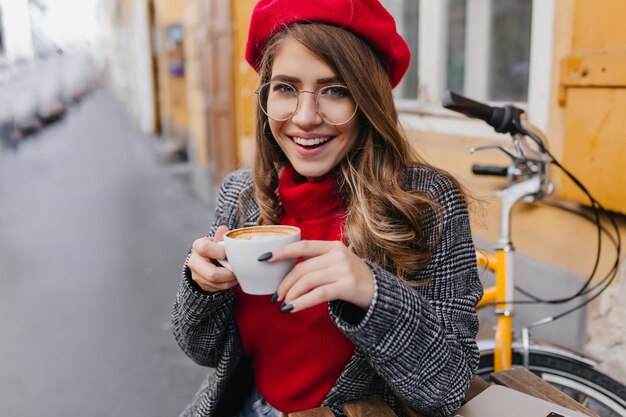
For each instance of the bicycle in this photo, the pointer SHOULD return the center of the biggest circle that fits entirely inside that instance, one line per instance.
(527, 176)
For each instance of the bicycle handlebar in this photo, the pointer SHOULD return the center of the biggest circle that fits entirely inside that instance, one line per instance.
(527, 161)
(527, 179)
(502, 119)
(491, 170)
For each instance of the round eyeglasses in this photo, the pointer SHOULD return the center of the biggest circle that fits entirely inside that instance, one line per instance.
(280, 101)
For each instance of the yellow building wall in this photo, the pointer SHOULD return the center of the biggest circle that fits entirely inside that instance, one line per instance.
(599, 26)
(593, 93)
(245, 83)
(172, 90)
(195, 35)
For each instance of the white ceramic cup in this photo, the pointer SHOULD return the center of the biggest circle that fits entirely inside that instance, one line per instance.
(243, 248)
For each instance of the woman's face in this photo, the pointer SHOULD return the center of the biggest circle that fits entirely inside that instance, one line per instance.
(313, 146)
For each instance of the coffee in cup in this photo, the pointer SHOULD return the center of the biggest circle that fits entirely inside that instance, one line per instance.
(262, 232)
(243, 248)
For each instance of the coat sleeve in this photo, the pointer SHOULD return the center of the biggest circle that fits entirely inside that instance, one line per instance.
(202, 321)
(421, 339)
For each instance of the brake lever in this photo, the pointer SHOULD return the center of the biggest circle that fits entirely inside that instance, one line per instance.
(514, 156)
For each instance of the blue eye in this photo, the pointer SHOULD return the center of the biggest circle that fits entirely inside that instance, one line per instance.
(336, 91)
(284, 88)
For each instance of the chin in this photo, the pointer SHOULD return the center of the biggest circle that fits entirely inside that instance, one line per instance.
(311, 172)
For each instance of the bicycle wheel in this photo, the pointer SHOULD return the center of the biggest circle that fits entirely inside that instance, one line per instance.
(595, 390)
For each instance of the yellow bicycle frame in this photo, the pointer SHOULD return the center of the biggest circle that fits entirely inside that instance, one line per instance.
(491, 296)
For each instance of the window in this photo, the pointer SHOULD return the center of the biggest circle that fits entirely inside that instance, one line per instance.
(406, 14)
(489, 50)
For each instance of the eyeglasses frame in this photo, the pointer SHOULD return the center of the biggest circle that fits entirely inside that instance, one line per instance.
(314, 93)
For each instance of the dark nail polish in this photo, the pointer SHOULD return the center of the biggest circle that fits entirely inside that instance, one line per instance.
(285, 308)
(265, 256)
(274, 297)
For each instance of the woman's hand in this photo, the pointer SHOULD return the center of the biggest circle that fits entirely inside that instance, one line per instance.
(204, 269)
(329, 271)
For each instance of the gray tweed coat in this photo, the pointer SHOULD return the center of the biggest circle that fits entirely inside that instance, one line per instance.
(414, 345)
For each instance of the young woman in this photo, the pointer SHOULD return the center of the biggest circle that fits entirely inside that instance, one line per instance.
(382, 302)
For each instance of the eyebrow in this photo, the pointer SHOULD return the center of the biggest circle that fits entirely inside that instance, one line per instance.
(295, 80)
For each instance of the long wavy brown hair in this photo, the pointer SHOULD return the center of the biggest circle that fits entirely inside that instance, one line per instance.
(383, 219)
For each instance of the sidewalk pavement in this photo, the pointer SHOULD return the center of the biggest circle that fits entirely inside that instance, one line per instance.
(93, 231)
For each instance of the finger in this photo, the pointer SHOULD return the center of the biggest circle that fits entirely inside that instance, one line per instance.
(220, 232)
(210, 277)
(309, 282)
(304, 248)
(209, 286)
(208, 249)
(312, 298)
(207, 271)
(302, 269)
(343, 268)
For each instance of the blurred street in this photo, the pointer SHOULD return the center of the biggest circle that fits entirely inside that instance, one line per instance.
(93, 231)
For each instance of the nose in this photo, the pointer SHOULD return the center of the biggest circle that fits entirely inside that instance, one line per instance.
(306, 114)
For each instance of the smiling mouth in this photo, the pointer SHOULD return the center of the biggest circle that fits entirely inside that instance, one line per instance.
(311, 143)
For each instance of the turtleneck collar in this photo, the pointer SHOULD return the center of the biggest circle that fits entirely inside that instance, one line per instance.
(304, 199)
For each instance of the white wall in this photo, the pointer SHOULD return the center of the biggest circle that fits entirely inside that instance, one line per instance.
(129, 60)
(16, 21)
(140, 68)
(606, 335)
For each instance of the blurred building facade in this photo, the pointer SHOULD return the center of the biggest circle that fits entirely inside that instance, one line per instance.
(15, 30)
(41, 77)
(175, 62)
(180, 66)
(23, 34)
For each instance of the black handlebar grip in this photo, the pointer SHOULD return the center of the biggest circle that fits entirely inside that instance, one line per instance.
(491, 170)
(456, 102)
(504, 119)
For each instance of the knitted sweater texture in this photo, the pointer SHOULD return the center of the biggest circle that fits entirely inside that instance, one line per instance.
(414, 345)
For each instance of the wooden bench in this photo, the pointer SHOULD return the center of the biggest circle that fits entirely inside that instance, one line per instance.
(519, 379)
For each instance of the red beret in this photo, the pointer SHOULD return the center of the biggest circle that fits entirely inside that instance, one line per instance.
(367, 19)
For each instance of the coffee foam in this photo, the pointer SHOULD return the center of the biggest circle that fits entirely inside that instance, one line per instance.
(258, 236)
(260, 233)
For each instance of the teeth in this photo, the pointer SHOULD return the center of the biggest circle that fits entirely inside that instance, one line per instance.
(310, 142)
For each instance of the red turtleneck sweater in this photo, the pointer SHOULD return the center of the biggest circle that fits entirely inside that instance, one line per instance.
(296, 357)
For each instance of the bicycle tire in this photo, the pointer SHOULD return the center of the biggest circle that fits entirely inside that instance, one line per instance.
(595, 390)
